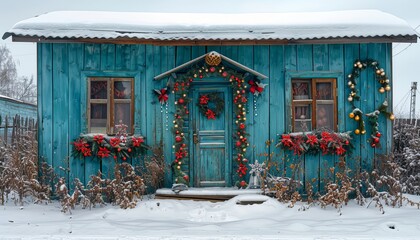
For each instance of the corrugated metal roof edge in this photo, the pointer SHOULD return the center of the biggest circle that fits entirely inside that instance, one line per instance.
(40, 38)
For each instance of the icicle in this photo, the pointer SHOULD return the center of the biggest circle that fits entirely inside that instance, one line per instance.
(255, 106)
(166, 116)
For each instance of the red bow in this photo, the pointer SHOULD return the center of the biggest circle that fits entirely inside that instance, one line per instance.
(255, 87)
(162, 95)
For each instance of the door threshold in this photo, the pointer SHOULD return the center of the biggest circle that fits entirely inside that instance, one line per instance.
(205, 194)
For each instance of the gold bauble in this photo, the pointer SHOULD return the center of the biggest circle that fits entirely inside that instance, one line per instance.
(357, 118)
(391, 117)
(351, 115)
(388, 88)
(363, 132)
(381, 90)
(357, 131)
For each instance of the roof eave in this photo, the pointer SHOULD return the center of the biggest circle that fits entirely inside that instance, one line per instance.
(201, 42)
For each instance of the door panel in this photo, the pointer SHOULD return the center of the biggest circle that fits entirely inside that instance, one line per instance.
(211, 152)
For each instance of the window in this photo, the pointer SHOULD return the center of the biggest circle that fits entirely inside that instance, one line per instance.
(314, 104)
(110, 103)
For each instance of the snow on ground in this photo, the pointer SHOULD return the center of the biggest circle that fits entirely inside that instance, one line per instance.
(187, 219)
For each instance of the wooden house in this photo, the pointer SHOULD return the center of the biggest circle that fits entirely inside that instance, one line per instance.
(218, 90)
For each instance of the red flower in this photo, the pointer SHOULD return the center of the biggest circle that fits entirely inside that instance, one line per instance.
(324, 147)
(326, 136)
(210, 114)
(340, 151)
(86, 152)
(137, 141)
(312, 140)
(163, 96)
(103, 152)
(286, 140)
(255, 87)
(296, 147)
(204, 100)
(98, 138)
(242, 169)
(114, 142)
(179, 154)
(80, 145)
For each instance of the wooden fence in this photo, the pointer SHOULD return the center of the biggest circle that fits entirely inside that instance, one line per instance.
(12, 128)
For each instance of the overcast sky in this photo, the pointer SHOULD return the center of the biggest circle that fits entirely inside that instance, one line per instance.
(406, 61)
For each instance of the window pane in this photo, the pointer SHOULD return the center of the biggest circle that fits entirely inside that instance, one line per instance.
(324, 91)
(98, 115)
(301, 89)
(122, 89)
(122, 114)
(303, 119)
(325, 116)
(98, 90)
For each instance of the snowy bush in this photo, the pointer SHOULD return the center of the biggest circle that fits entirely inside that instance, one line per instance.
(19, 171)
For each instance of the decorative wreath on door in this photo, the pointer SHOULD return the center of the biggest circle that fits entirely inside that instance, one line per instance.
(211, 105)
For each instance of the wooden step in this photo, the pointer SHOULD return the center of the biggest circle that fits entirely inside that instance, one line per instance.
(214, 194)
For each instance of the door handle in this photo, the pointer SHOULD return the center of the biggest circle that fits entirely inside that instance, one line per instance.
(195, 138)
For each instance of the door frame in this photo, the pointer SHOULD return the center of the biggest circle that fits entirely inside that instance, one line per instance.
(211, 83)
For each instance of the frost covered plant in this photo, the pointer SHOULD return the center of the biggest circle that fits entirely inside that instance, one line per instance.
(19, 171)
(154, 168)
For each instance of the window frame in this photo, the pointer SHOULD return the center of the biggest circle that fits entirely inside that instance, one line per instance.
(110, 102)
(313, 101)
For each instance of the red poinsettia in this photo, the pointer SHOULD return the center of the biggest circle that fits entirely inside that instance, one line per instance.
(83, 147)
(137, 141)
(204, 99)
(210, 114)
(98, 138)
(297, 147)
(242, 169)
(312, 140)
(114, 142)
(340, 151)
(103, 152)
(179, 154)
(286, 140)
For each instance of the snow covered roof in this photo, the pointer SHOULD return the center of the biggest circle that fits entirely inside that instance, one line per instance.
(163, 28)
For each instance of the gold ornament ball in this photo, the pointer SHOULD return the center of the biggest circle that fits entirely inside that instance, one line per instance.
(381, 90)
(178, 167)
(179, 163)
(363, 132)
(350, 98)
(349, 76)
(357, 131)
(391, 117)
(387, 80)
(244, 119)
(357, 118)
(349, 83)
(352, 86)
(244, 150)
(382, 73)
(388, 88)
(378, 72)
(355, 65)
(351, 115)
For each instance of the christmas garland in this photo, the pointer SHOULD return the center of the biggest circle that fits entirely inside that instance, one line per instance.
(357, 114)
(212, 99)
(316, 142)
(102, 146)
(181, 89)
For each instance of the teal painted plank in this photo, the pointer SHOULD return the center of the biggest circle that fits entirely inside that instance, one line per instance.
(139, 64)
(294, 165)
(149, 131)
(304, 58)
(277, 111)
(159, 52)
(60, 110)
(75, 55)
(230, 52)
(168, 137)
(367, 101)
(351, 53)
(261, 116)
(389, 124)
(107, 167)
(197, 51)
(107, 57)
(321, 58)
(379, 51)
(122, 57)
(92, 56)
(213, 48)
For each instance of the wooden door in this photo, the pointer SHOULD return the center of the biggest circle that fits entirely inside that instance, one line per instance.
(211, 151)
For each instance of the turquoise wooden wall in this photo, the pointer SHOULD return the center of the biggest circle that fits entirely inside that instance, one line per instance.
(10, 107)
(63, 69)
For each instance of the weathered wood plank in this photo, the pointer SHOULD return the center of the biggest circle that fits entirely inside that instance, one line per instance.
(60, 110)
(261, 106)
(277, 111)
(321, 57)
(351, 53)
(107, 57)
(92, 56)
(75, 55)
(123, 57)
